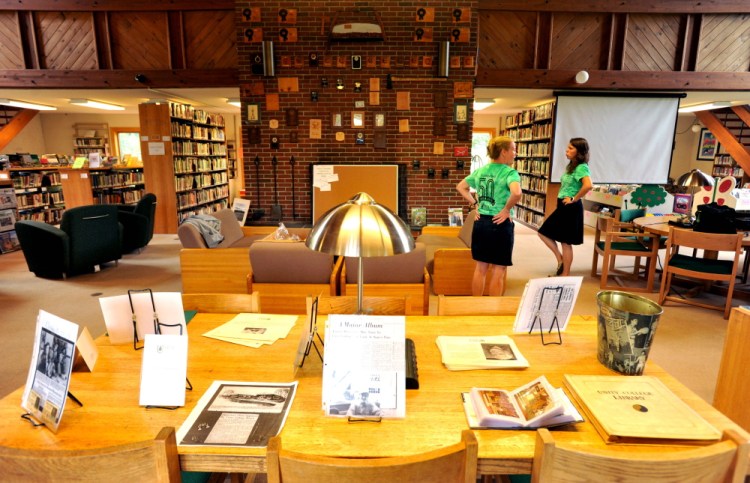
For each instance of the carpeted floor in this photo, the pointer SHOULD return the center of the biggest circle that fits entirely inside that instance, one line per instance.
(687, 343)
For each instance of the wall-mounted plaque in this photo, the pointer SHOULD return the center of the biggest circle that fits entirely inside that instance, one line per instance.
(462, 132)
(292, 118)
(358, 119)
(312, 59)
(275, 142)
(316, 128)
(359, 138)
(455, 62)
(340, 136)
(287, 16)
(253, 35)
(287, 35)
(469, 62)
(299, 61)
(251, 14)
(379, 120)
(253, 135)
(254, 88)
(293, 137)
(403, 101)
(286, 60)
(422, 34)
(374, 98)
(253, 112)
(273, 123)
(439, 125)
(438, 147)
(463, 90)
(356, 62)
(379, 139)
(426, 61)
(460, 112)
(336, 119)
(341, 61)
(272, 101)
(374, 84)
(403, 125)
(459, 34)
(288, 84)
(425, 14)
(461, 15)
(385, 61)
(371, 61)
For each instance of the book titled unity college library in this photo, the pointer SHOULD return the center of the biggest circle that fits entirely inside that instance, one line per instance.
(638, 409)
(534, 405)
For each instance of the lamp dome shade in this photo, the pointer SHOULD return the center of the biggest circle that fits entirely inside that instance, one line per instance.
(695, 178)
(360, 227)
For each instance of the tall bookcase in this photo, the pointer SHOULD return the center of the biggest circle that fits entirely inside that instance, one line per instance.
(532, 131)
(184, 161)
(725, 165)
(87, 186)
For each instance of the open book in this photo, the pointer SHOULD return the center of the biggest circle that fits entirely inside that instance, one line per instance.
(477, 352)
(534, 405)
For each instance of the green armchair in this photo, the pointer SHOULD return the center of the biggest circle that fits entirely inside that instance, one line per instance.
(88, 236)
(137, 223)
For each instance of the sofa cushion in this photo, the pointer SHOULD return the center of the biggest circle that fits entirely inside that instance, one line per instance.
(403, 268)
(230, 228)
(292, 262)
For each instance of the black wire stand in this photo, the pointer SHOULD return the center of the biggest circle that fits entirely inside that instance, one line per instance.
(554, 323)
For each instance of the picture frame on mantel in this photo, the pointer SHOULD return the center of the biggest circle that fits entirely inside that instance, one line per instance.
(708, 146)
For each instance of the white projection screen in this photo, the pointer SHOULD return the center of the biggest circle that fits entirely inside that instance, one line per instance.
(631, 136)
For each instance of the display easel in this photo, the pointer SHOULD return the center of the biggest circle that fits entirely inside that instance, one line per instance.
(554, 323)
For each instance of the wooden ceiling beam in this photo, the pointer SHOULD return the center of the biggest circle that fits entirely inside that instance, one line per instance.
(613, 79)
(616, 6)
(118, 79)
(116, 5)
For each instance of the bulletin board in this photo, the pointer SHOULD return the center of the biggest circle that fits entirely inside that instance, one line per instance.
(333, 184)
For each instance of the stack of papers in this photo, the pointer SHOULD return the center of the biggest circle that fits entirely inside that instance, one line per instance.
(254, 330)
(493, 352)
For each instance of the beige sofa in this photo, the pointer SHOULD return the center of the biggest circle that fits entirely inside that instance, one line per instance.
(448, 250)
(402, 275)
(225, 268)
(286, 273)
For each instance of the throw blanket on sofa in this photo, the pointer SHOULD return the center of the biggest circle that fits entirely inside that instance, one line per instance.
(209, 227)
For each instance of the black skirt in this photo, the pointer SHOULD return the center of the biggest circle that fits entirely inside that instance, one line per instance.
(492, 243)
(565, 224)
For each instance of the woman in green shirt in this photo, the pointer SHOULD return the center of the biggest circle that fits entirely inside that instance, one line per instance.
(565, 224)
(498, 188)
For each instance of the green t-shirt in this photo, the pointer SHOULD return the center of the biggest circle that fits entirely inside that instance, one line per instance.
(570, 183)
(492, 184)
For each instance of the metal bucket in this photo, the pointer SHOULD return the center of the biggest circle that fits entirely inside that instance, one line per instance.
(626, 325)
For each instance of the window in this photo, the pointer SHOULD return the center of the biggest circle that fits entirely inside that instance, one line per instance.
(127, 142)
(480, 138)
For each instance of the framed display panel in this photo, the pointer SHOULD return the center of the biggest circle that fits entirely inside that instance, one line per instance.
(333, 184)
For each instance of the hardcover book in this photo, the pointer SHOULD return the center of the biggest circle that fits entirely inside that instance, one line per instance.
(533, 405)
(477, 352)
(638, 409)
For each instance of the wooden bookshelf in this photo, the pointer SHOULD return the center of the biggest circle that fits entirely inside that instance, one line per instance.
(184, 162)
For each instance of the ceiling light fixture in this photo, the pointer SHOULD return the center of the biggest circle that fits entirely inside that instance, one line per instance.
(480, 104)
(234, 101)
(582, 77)
(26, 105)
(96, 104)
(705, 106)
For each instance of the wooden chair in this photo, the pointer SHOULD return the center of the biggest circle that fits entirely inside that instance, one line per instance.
(222, 303)
(371, 305)
(725, 461)
(707, 268)
(732, 384)
(468, 305)
(613, 239)
(455, 463)
(151, 460)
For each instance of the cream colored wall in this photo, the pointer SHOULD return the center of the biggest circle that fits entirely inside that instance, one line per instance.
(29, 140)
(58, 128)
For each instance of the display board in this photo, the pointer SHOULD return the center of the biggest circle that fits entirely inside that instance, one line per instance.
(333, 184)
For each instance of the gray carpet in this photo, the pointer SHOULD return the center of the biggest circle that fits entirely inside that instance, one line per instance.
(687, 343)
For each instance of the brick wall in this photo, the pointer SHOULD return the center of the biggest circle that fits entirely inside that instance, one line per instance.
(413, 69)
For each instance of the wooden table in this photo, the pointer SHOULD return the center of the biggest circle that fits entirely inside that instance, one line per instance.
(434, 415)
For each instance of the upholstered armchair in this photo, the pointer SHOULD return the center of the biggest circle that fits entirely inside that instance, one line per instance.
(137, 223)
(88, 236)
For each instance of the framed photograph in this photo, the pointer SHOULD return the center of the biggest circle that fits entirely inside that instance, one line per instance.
(682, 203)
(358, 119)
(379, 119)
(708, 146)
(336, 119)
(253, 113)
(460, 112)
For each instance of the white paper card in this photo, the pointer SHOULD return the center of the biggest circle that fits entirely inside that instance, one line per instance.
(118, 316)
(164, 370)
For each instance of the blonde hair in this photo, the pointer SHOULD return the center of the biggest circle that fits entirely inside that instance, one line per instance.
(498, 144)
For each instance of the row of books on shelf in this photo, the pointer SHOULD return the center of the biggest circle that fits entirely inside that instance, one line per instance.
(537, 167)
(201, 181)
(32, 180)
(196, 148)
(191, 199)
(529, 217)
(193, 165)
(528, 116)
(533, 149)
(533, 183)
(206, 209)
(533, 201)
(93, 158)
(34, 200)
(722, 171)
(180, 130)
(116, 179)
